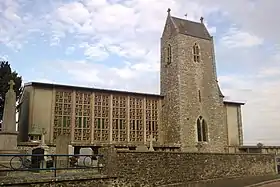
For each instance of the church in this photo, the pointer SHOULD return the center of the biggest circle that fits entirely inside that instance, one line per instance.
(190, 113)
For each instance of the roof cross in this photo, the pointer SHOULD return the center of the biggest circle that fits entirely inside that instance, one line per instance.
(201, 19)
(168, 10)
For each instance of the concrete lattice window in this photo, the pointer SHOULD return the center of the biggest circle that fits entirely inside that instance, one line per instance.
(169, 54)
(201, 129)
(196, 53)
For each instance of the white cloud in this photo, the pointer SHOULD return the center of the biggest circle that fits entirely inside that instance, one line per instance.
(260, 113)
(13, 25)
(269, 72)
(73, 13)
(258, 17)
(125, 73)
(96, 51)
(130, 29)
(82, 71)
(56, 37)
(236, 38)
(98, 75)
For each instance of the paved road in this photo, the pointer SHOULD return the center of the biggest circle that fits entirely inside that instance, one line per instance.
(274, 184)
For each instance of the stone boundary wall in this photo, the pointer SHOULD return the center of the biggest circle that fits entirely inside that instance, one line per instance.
(163, 168)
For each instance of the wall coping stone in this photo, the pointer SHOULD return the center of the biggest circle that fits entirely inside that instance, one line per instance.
(193, 153)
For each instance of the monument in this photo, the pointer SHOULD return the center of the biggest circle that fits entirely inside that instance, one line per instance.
(8, 134)
(151, 139)
(43, 148)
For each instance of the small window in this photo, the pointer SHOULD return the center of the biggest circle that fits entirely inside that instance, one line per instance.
(204, 131)
(169, 54)
(199, 96)
(196, 53)
(201, 130)
(198, 130)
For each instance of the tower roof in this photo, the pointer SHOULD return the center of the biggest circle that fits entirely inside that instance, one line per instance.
(191, 28)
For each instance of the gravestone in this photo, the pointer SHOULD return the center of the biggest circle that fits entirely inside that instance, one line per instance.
(44, 132)
(142, 148)
(36, 160)
(62, 143)
(85, 160)
(8, 133)
(46, 149)
(70, 150)
(151, 139)
(73, 159)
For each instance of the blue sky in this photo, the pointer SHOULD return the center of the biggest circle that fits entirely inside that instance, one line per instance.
(115, 44)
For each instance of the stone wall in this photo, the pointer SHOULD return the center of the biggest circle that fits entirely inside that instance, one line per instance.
(132, 168)
(162, 168)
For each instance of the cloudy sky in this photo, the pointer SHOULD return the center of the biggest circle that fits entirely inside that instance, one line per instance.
(115, 44)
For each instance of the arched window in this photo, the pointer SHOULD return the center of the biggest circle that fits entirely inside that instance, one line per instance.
(204, 131)
(201, 129)
(198, 130)
(169, 54)
(196, 53)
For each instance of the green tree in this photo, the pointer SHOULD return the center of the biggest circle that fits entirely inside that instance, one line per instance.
(6, 74)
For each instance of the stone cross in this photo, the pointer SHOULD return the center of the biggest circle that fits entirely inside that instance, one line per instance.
(11, 84)
(9, 115)
(151, 139)
(168, 10)
(201, 19)
(8, 134)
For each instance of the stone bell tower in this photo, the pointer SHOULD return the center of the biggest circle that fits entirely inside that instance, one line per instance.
(193, 108)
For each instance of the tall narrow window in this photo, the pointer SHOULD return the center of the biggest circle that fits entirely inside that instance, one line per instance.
(201, 129)
(204, 131)
(199, 96)
(198, 130)
(169, 54)
(196, 53)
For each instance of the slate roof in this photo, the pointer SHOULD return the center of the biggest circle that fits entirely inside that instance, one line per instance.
(191, 28)
(61, 86)
(71, 87)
